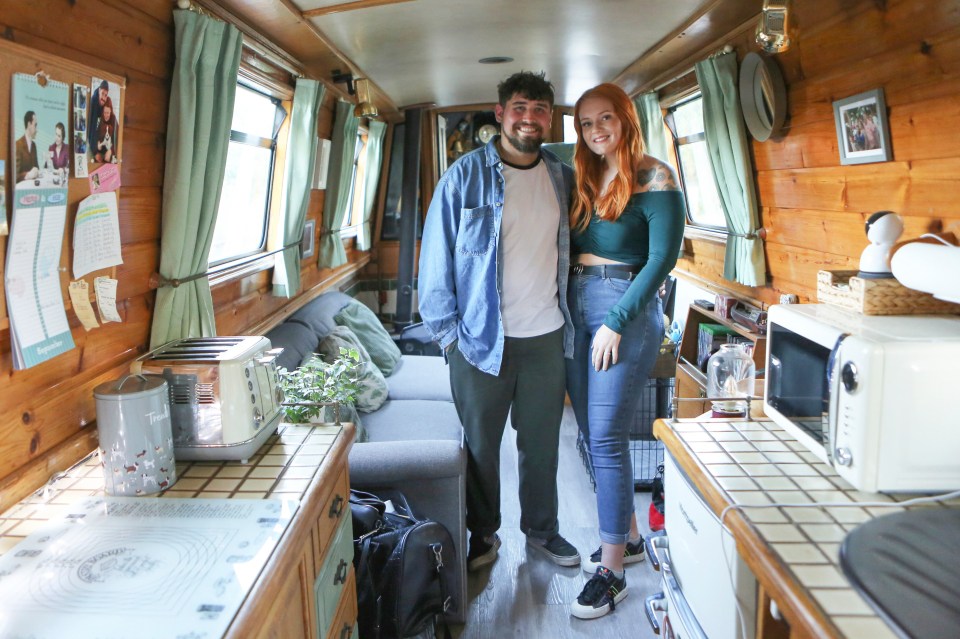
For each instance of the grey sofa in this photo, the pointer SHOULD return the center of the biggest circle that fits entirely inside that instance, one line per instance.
(414, 441)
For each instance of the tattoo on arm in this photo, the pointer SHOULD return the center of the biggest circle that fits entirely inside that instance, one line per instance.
(645, 176)
(661, 179)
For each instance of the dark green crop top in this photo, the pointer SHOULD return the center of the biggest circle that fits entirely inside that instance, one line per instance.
(648, 234)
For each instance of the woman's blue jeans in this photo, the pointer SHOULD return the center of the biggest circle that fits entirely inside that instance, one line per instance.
(604, 402)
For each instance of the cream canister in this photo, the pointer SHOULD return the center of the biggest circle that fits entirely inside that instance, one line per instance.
(136, 439)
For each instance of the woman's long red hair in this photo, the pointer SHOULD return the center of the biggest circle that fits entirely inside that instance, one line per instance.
(589, 166)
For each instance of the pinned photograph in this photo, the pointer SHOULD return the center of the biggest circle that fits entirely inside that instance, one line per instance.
(103, 122)
(79, 131)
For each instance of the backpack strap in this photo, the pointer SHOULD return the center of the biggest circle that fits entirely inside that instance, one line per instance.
(447, 600)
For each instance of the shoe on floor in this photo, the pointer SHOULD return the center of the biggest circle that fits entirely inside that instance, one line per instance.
(632, 553)
(559, 550)
(600, 595)
(482, 551)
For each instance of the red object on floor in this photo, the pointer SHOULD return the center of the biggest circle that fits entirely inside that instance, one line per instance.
(656, 519)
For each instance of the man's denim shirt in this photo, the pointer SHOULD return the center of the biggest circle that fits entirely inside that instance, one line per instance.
(461, 267)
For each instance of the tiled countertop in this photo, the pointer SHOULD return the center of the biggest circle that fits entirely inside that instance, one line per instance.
(283, 467)
(756, 463)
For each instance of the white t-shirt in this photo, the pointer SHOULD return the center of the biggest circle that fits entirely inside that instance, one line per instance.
(528, 238)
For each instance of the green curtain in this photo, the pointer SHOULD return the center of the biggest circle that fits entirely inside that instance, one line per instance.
(202, 92)
(651, 123)
(732, 168)
(300, 165)
(342, 151)
(375, 134)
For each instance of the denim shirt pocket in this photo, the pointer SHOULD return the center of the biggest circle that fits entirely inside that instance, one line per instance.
(475, 236)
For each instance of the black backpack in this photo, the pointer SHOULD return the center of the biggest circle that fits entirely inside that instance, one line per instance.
(403, 566)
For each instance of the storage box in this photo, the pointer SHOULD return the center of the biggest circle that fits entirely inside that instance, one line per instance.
(877, 297)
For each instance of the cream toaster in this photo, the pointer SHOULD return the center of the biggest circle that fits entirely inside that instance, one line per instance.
(225, 395)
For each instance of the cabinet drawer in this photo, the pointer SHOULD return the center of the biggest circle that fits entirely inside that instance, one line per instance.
(336, 507)
(344, 625)
(332, 578)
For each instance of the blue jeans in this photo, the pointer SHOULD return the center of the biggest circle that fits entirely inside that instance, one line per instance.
(604, 402)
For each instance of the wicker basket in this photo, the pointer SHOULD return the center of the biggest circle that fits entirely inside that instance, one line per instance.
(877, 297)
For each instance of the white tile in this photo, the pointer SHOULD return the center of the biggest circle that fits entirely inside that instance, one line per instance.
(780, 532)
(266, 472)
(788, 497)
(776, 483)
(714, 458)
(820, 577)
(705, 447)
(849, 515)
(813, 483)
(761, 470)
(809, 457)
(872, 627)
(824, 533)
(862, 497)
(750, 458)
(766, 516)
(801, 470)
(841, 602)
(760, 436)
(725, 470)
(224, 485)
(832, 552)
(841, 483)
(256, 485)
(737, 483)
(731, 436)
(825, 470)
(748, 497)
(828, 497)
(737, 446)
(696, 437)
(772, 447)
(784, 458)
(807, 515)
(804, 553)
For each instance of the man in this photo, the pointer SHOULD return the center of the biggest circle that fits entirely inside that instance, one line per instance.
(27, 167)
(494, 263)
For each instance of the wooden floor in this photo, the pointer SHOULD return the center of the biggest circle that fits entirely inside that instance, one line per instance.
(524, 594)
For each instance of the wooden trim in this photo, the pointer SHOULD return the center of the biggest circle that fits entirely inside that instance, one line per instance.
(804, 615)
(348, 6)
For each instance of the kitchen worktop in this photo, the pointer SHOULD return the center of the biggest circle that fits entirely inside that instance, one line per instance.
(792, 550)
(208, 537)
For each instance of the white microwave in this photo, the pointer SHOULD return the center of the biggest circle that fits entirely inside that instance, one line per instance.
(876, 397)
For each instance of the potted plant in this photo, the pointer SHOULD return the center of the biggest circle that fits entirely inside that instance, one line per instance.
(308, 390)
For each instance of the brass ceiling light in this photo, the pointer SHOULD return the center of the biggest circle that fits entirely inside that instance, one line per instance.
(773, 32)
(365, 108)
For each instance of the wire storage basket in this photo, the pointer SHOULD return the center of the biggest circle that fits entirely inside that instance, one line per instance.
(656, 401)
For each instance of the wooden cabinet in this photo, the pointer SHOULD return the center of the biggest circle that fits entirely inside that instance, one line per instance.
(691, 380)
(307, 589)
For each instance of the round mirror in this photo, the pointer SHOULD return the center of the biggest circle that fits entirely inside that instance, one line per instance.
(763, 96)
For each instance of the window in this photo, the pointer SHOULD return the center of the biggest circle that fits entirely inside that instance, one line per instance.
(569, 130)
(244, 209)
(354, 217)
(696, 172)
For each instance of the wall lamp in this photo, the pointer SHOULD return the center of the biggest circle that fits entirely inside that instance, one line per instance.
(360, 88)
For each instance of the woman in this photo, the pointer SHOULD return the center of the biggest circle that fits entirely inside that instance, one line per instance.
(627, 225)
(106, 134)
(59, 153)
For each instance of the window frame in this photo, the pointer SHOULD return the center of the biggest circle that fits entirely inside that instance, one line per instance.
(261, 259)
(693, 228)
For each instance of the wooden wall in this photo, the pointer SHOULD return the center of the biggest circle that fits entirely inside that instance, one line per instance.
(813, 208)
(46, 411)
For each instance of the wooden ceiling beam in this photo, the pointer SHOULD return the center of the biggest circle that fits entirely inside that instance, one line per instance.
(348, 6)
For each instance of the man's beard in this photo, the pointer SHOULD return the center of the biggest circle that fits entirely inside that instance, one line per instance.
(524, 145)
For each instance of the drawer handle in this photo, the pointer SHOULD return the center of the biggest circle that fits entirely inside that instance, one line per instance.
(346, 631)
(336, 508)
(341, 576)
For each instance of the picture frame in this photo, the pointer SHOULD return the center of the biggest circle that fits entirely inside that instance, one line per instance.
(863, 133)
(307, 241)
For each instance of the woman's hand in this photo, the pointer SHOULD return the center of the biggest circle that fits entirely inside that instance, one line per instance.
(606, 348)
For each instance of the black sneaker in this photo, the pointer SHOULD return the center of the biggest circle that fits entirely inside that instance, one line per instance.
(482, 551)
(601, 595)
(559, 550)
(632, 553)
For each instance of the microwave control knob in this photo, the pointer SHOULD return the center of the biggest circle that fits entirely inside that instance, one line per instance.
(842, 456)
(848, 375)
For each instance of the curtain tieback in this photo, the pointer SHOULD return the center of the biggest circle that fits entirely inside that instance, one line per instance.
(759, 234)
(159, 281)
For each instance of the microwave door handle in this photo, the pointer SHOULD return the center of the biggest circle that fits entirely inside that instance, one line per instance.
(833, 397)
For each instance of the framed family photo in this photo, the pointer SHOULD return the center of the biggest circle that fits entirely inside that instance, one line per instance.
(863, 134)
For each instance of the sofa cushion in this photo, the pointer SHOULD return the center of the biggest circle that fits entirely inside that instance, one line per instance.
(420, 377)
(413, 419)
(367, 326)
(297, 341)
(373, 386)
(318, 314)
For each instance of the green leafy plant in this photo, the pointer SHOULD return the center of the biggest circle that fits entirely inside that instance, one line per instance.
(317, 384)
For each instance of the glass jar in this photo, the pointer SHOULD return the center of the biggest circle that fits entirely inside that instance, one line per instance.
(730, 374)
